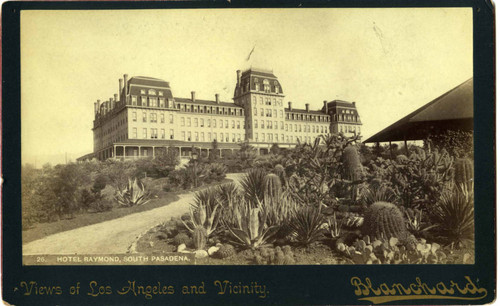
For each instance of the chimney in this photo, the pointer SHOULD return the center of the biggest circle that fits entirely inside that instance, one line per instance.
(193, 96)
(95, 108)
(116, 98)
(120, 87)
(238, 78)
(125, 80)
(217, 98)
(111, 103)
(307, 107)
(289, 105)
(354, 104)
(325, 105)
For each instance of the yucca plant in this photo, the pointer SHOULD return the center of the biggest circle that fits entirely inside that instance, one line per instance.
(373, 194)
(306, 224)
(454, 216)
(334, 227)
(134, 194)
(252, 231)
(254, 185)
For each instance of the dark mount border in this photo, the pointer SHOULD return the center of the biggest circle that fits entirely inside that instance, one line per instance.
(287, 285)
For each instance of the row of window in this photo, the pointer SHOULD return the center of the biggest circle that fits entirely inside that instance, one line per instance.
(188, 136)
(307, 117)
(265, 86)
(210, 123)
(349, 129)
(153, 133)
(341, 117)
(233, 111)
(152, 102)
(151, 92)
(269, 137)
(153, 117)
(268, 124)
(268, 112)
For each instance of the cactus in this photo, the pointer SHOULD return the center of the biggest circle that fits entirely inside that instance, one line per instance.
(272, 187)
(401, 158)
(384, 220)
(182, 238)
(199, 237)
(276, 256)
(464, 172)
(225, 251)
(352, 168)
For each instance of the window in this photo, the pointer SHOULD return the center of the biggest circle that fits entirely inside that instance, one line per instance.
(152, 117)
(134, 100)
(256, 84)
(261, 101)
(214, 123)
(188, 121)
(281, 124)
(209, 136)
(255, 111)
(232, 124)
(267, 88)
(144, 101)
(300, 127)
(282, 138)
(275, 113)
(221, 137)
(183, 136)
(162, 133)
(227, 124)
(170, 103)
(143, 91)
(153, 101)
(256, 124)
(286, 127)
(151, 92)
(221, 124)
(262, 124)
(144, 117)
(182, 121)
(276, 139)
(134, 132)
(256, 136)
(202, 122)
(238, 125)
(208, 123)
(160, 93)
(162, 102)
(195, 122)
(171, 134)
(171, 118)
(227, 137)
(202, 136)
(154, 133)
(196, 136)
(295, 128)
(233, 139)
(134, 116)
(144, 133)
(189, 136)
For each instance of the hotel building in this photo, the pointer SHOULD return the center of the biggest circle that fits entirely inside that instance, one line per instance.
(145, 119)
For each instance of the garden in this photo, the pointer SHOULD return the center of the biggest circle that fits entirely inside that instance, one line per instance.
(334, 201)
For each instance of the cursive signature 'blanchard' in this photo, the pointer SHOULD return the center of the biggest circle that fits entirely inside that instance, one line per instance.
(417, 290)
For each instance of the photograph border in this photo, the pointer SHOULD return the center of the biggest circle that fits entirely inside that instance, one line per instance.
(311, 284)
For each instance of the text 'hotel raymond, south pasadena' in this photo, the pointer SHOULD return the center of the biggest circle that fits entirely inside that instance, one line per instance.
(145, 119)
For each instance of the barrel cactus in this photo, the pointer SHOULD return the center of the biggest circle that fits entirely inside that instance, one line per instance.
(272, 186)
(464, 172)
(199, 237)
(182, 238)
(384, 220)
(225, 251)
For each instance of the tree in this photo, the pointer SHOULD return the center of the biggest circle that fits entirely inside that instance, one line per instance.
(275, 149)
(214, 154)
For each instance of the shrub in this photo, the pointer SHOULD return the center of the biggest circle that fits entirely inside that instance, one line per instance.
(454, 216)
(134, 194)
(181, 238)
(306, 224)
(384, 220)
(101, 205)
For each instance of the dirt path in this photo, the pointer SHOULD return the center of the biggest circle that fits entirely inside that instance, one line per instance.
(110, 237)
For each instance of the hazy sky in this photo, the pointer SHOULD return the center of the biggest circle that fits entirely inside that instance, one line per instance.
(390, 61)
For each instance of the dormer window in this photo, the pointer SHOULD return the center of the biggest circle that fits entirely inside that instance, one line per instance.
(143, 91)
(152, 92)
(160, 93)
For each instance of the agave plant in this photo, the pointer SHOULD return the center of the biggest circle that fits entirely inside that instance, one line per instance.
(254, 185)
(306, 224)
(134, 194)
(200, 225)
(252, 230)
(454, 216)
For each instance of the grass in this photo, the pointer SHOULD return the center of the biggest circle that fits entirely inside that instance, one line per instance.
(160, 199)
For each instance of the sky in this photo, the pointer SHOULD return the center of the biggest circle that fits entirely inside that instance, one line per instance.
(390, 61)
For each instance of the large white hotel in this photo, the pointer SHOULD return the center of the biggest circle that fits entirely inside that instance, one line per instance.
(145, 119)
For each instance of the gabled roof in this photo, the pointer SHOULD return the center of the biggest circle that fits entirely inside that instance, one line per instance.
(451, 111)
